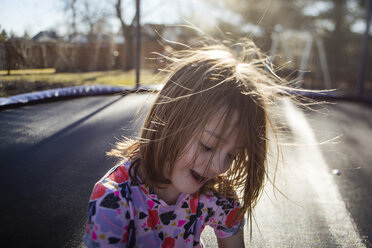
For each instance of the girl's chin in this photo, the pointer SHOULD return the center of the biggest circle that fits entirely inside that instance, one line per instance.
(192, 188)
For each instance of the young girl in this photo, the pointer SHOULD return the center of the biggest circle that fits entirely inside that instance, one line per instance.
(200, 158)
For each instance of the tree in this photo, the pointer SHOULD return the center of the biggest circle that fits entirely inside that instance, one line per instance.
(266, 14)
(90, 18)
(94, 15)
(3, 35)
(70, 6)
(89, 15)
(341, 14)
(127, 30)
(4, 40)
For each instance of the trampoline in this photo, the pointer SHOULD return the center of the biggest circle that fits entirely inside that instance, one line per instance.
(52, 151)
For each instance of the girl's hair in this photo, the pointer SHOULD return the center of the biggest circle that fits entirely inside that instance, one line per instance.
(201, 82)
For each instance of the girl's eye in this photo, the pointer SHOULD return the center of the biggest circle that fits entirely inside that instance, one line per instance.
(205, 147)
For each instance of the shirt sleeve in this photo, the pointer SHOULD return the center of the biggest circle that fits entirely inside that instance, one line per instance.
(110, 218)
(221, 213)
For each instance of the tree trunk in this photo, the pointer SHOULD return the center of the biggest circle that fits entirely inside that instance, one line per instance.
(339, 16)
(8, 57)
(129, 50)
(128, 36)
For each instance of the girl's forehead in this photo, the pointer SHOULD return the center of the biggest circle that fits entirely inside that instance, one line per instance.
(219, 122)
(222, 128)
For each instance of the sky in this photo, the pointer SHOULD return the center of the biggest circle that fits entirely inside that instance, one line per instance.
(29, 15)
(33, 16)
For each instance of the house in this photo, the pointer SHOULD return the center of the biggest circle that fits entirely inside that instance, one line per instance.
(45, 36)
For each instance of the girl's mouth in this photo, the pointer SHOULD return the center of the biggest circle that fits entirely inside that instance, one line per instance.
(199, 178)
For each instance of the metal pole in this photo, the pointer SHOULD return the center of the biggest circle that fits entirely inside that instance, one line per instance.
(305, 58)
(323, 62)
(363, 58)
(138, 47)
(274, 45)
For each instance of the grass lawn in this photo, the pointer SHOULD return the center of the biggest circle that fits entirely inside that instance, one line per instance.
(23, 81)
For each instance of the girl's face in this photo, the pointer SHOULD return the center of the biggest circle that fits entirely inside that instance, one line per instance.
(215, 146)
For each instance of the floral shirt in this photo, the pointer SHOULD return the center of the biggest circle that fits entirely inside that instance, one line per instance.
(125, 214)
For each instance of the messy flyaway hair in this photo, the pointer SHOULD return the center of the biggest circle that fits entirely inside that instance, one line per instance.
(202, 81)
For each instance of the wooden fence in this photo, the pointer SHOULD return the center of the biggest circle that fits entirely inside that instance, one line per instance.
(65, 56)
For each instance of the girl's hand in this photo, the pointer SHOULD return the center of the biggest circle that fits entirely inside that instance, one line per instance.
(236, 241)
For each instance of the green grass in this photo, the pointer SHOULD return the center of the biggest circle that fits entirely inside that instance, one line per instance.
(23, 81)
(29, 71)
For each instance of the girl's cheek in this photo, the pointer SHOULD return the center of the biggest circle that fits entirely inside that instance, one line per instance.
(202, 157)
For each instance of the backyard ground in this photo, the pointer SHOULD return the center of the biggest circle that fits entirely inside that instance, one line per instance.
(25, 81)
